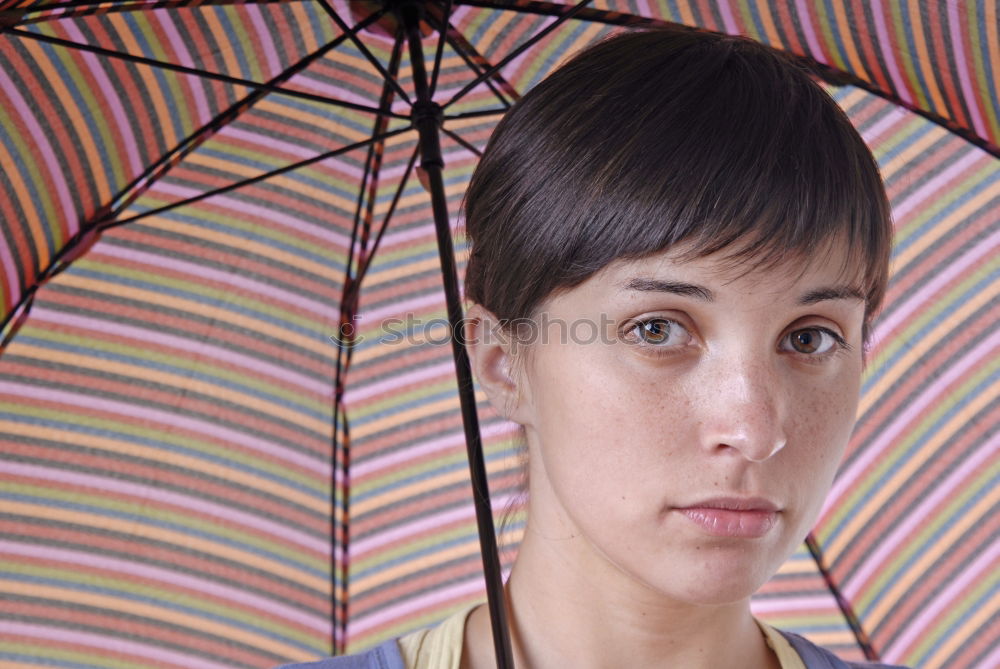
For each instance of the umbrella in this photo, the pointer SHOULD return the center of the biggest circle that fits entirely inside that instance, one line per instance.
(231, 432)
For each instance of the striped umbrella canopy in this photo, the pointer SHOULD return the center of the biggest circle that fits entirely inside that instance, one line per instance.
(230, 432)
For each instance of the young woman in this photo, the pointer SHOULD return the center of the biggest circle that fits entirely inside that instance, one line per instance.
(681, 241)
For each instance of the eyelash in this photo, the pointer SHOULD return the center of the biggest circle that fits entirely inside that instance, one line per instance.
(840, 344)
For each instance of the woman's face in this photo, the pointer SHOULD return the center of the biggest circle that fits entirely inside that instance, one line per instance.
(691, 446)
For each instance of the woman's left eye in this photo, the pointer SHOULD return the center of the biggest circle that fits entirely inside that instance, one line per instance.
(661, 333)
(812, 341)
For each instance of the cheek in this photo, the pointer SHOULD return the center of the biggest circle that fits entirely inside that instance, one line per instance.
(604, 429)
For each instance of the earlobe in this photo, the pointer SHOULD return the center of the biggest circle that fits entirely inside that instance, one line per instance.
(491, 359)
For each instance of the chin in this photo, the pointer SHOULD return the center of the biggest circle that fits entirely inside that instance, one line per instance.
(716, 580)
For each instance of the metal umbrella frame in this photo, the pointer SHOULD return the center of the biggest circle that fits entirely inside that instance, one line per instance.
(968, 115)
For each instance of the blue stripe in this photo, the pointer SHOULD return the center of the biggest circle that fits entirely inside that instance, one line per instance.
(218, 302)
(935, 539)
(316, 254)
(321, 493)
(163, 80)
(832, 533)
(165, 604)
(147, 521)
(146, 363)
(885, 364)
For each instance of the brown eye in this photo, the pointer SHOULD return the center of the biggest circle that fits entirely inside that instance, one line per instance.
(811, 341)
(661, 333)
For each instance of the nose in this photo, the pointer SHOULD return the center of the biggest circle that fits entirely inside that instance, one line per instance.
(744, 410)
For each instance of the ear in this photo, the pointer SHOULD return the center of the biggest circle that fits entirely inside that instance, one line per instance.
(492, 359)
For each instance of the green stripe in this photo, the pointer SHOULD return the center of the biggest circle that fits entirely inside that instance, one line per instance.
(199, 606)
(95, 503)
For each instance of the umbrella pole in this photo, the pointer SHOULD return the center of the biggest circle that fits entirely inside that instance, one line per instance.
(427, 116)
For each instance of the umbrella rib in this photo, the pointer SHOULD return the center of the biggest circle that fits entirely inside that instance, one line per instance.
(348, 312)
(368, 54)
(477, 63)
(826, 72)
(860, 636)
(142, 60)
(534, 39)
(157, 169)
(392, 208)
(553, 9)
(90, 7)
(439, 52)
(259, 177)
(475, 114)
(468, 145)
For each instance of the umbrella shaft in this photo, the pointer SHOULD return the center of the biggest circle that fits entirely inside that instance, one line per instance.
(427, 116)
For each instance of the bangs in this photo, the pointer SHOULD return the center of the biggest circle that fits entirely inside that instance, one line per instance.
(715, 142)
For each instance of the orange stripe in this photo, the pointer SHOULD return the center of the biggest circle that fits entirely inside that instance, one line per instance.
(161, 109)
(923, 59)
(993, 45)
(99, 523)
(32, 219)
(176, 460)
(847, 38)
(147, 611)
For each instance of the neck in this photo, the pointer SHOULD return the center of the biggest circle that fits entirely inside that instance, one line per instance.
(567, 610)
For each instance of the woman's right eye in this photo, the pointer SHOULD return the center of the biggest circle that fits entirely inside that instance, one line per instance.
(661, 333)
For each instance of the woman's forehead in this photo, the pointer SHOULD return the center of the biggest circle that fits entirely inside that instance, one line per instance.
(830, 266)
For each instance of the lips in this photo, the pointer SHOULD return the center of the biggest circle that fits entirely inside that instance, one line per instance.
(738, 517)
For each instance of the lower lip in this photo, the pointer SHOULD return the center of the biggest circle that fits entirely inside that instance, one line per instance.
(731, 523)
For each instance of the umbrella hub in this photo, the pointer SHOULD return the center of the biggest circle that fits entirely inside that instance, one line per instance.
(388, 25)
(424, 110)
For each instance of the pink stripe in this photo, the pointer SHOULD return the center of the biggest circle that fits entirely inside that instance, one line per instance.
(264, 42)
(916, 517)
(888, 56)
(912, 411)
(913, 302)
(112, 101)
(514, 68)
(305, 81)
(358, 394)
(895, 116)
(414, 306)
(167, 420)
(730, 23)
(56, 179)
(940, 182)
(807, 22)
(420, 604)
(776, 605)
(421, 449)
(325, 310)
(241, 210)
(992, 660)
(271, 147)
(202, 506)
(201, 586)
(361, 547)
(10, 272)
(190, 348)
(156, 654)
(962, 65)
(184, 57)
(945, 600)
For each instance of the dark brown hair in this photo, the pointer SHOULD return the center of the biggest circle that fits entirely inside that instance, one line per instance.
(651, 138)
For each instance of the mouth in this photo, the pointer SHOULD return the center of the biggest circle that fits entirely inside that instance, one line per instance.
(737, 517)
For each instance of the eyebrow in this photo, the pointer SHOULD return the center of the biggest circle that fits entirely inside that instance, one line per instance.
(673, 287)
(706, 295)
(832, 293)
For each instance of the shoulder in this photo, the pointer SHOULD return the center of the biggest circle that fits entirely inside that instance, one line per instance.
(384, 656)
(816, 657)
